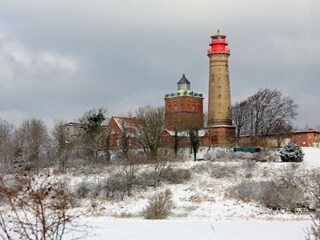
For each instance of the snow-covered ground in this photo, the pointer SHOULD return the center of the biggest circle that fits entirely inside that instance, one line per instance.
(312, 156)
(124, 229)
(202, 209)
(201, 212)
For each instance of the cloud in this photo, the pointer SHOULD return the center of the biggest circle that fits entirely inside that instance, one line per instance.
(61, 58)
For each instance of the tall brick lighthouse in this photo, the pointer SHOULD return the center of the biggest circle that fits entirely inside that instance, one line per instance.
(219, 101)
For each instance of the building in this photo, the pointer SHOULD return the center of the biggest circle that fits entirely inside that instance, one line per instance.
(307, 138)
(73, 129)
(124, 129)
(219, 100)
(184, 108)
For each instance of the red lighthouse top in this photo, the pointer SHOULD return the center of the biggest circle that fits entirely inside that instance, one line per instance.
(218, 44)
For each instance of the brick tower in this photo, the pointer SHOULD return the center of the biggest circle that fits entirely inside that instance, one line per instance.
(219, 103)
(183, 108)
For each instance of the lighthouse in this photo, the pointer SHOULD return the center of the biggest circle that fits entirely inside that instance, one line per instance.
(219, 100)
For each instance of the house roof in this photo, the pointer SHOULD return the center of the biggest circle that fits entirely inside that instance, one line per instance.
(130, 124)
(310, 130)
(129, 120)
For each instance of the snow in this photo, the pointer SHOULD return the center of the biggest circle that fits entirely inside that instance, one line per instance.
(311, 156)
(201, 212)
(202, 209)
(124, 229)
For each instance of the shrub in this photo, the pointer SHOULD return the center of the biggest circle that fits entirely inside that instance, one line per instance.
(40, 209)
(114, 187)
(159, 206)
(178, 176)
(145, 179)
(291, 153)
(83, 189)
(250, 191)
(313, 232)
(224, 171)
(272, 194)
(203, 168)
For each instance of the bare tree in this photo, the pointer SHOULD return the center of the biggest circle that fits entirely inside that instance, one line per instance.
(63, 144)
(240, 116)
(33, 141)
(6, 137)
(159, 167)
(129, 169)
(106, 142)
(125, 137)
(193, 134)
(177, 139)
(151, 127)
(264, 113)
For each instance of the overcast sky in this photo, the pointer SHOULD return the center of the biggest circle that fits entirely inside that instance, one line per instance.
(60, 58)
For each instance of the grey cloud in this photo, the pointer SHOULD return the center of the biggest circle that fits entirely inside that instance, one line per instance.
(123, 54)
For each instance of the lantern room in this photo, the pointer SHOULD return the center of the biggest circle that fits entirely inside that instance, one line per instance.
(218, 44)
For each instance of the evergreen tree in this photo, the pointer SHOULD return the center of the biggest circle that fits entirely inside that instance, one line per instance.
(291, 153)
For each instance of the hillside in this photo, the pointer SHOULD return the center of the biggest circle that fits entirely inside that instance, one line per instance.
(209, 197)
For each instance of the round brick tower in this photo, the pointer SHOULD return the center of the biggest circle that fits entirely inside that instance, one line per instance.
(219, 101)
(183, 108)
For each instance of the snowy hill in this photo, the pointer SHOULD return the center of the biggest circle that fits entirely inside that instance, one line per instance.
(203, 208)
(220, 199)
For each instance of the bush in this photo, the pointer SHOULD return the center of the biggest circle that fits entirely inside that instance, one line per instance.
(40, 209)
(178, 176)
(313, 232)
(272, 194)
(250, 191)
(225, 171)
(83, 189)
(203, 168)
(159, 206)
(114, 187)
(145, 179)
(291, 153)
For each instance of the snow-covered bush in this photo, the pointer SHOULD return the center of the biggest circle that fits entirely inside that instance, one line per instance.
(83, 189)
(203, 168)
(39, 209)
(114, 187)
(225, 171)
(177, 176)
(313, 232)
(272, 194)
(250, 190)
(159, 206)
(291, 153)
